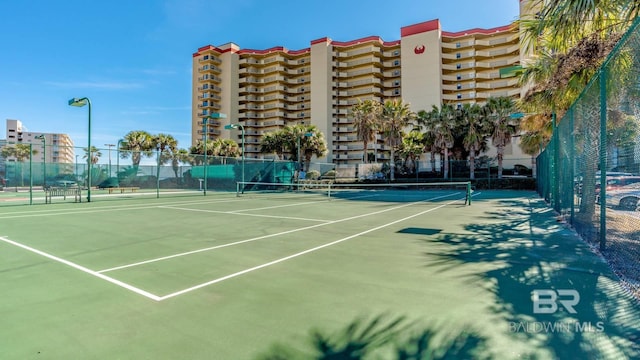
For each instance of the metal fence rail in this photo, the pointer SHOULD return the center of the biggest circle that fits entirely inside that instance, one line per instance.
(590, 171)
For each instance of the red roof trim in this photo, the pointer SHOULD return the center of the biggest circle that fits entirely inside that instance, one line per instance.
(321, 40)
(207, 48)
(478, 31)
(272, 50)
(420, 28)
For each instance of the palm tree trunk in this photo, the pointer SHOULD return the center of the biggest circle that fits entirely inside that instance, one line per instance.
(472, 164)
(500, 158)
(393, 165)
(366, 155)
(446, 163)
(433, 161)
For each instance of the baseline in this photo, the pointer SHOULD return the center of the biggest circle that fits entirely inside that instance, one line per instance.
(83, 269)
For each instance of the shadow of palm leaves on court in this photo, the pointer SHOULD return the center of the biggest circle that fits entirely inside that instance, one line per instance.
(530, 251)
(397, 338)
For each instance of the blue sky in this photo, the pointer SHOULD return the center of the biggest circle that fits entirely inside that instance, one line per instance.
(132, 58)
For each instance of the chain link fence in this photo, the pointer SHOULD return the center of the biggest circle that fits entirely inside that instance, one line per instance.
(590, 171)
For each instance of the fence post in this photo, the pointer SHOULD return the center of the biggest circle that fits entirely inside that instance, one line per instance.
(572, 160)
(603, 157)
(554, 163)
(30, 174)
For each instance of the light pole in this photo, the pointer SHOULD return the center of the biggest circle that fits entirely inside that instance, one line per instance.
(79, 102)
(118, 156)
(205, 132)
(239, 126)
(44, 159)
(110, 146)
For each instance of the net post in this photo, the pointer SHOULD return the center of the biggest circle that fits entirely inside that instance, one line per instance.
(237, 189)
(329, 191)
(468, 197)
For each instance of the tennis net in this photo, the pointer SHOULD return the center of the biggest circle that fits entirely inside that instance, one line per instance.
(458, 192)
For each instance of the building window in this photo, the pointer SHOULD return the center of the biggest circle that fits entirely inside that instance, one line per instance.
(206, 57)
(459, 96)
(458, 45)
(459, 106)
(458, 66)
(459, 86)
(396, 83)
(396, 53)
(396, 73)
(458, 77)
(396, 92)
(458, 55)
(396, 63)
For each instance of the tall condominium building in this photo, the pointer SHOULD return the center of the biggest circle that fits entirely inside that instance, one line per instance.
(59, 147)
(265, 90)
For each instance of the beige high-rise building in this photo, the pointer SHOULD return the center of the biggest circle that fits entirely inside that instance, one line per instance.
(59, 147)
(266, 89)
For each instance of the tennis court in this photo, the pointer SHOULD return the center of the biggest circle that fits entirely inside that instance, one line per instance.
(276, 274)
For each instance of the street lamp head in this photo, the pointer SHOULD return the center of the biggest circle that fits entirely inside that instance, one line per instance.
(216, 116)
(41, 137)
(79, 102)
(231, 126)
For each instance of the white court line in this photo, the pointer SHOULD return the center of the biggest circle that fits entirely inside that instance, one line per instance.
(274, 207)
(181, 292)
(109, 208)
(84, 269)
(264, 236)
(241, 214)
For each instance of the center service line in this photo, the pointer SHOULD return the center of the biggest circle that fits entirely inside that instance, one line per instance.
(181, 292)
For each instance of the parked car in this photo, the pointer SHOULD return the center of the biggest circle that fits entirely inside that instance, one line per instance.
(624, 197)
(65, 183)
(111, 182)
(617, 182)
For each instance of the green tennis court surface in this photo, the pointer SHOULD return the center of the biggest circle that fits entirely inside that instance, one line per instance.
(297, 275)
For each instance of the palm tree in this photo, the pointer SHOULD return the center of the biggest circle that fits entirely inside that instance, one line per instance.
(138, 143)
(228, 148)
(475, 135)
(309, 137)
(503, 126)
(21, 152)
(442, 123)
(428, 137)
(412, 148)
(570, 38)
(396, 115)
(311, 144)
(177, 156)
(95, 154)
(366, 117)
(536, 133)
(166, 144)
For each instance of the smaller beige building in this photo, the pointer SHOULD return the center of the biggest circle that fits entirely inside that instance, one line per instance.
(59, 147)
